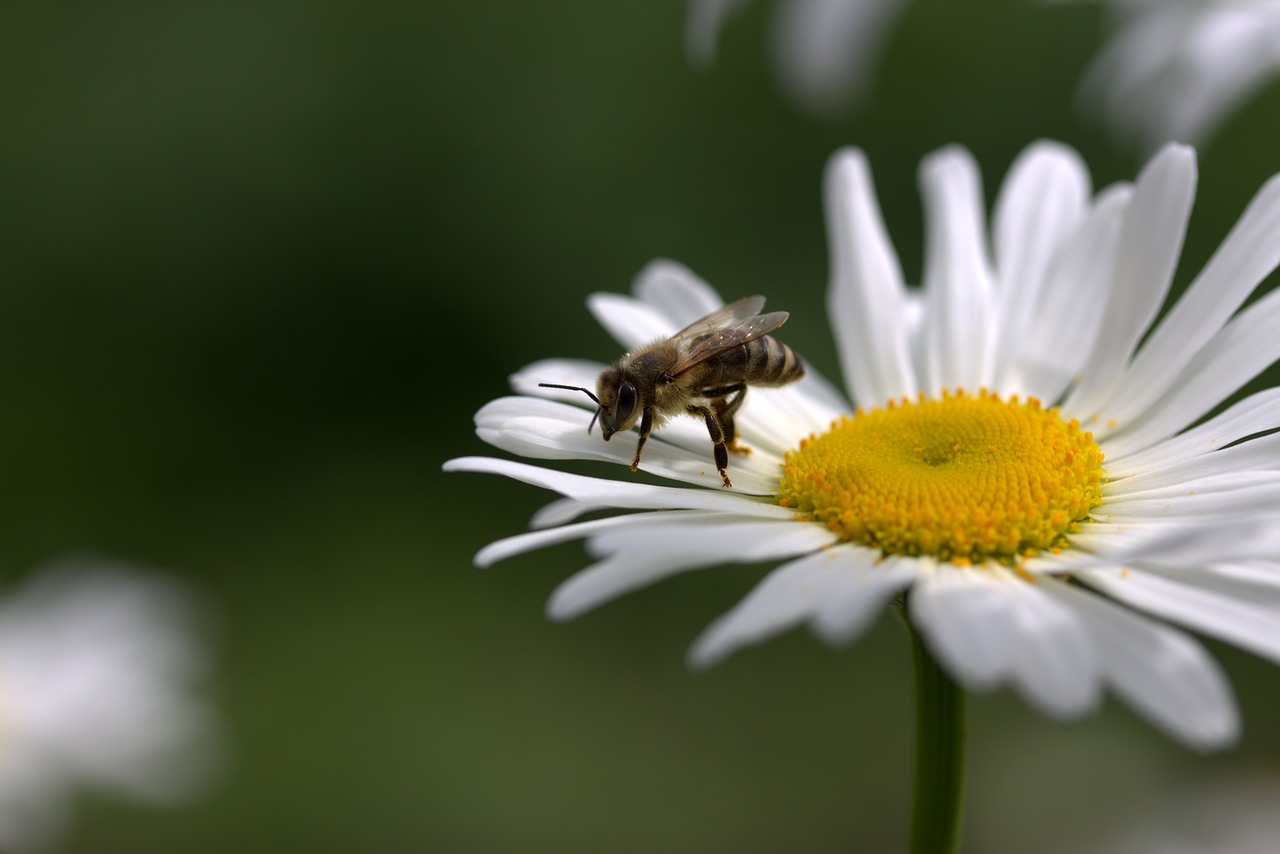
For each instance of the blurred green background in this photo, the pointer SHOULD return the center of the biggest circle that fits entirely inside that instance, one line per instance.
(259, 265)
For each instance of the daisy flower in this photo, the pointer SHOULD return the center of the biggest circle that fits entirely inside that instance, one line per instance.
(1029, 459)
(1177, 69)
(826, 52)
(97, 668)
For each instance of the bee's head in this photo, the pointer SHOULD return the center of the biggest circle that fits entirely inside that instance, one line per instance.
(619, 403)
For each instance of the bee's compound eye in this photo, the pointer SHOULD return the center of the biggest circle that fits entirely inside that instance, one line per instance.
(626, 398)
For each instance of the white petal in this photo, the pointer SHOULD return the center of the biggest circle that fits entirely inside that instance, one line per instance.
(1150, 242)
(1236, 354)
(1250, 252)
(1056, 341)
(827, 51)
(676, 292)
(1254, 582)
(1254, 455)
(1250, 626)
(527, 542)
(867, 297)
(957, 275)
(1223, 537)
(1041, 203)
(560, 511)
(545, 429)
(1219, 495)
(785, 598)
(640, 554)
(574, 372)
(1258, 573)
(600, 492)
(1163, 674)
(1257, 413)
(631, 322)
(988, 627)
(1129, 66)
(847, 609)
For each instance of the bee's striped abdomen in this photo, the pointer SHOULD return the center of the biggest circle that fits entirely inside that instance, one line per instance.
(770, 362)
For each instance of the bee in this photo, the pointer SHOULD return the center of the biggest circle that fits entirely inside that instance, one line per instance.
(703, 370)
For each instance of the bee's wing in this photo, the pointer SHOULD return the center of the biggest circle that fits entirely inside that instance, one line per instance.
(722, 318)
(703, 340)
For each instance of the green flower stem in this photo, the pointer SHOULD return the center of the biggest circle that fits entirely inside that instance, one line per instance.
(940, 738)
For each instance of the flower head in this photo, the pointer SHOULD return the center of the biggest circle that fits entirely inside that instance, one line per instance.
(1028, 457)
(97, 670)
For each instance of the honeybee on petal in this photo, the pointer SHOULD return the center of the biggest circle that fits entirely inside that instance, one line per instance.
(703, 370)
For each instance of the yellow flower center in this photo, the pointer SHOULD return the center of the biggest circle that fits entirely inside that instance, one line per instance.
(964, 477)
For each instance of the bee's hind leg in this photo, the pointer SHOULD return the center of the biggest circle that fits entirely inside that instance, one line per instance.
(646, 427)
(725, 409)
(719, 448)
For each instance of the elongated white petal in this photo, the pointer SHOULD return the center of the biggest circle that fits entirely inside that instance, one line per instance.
(1250, 626)
(1254, 455)
(638, 555)
(1218, 537)
(1150, 242)
(957, 276)
(1256, 572)
(867, 297)
(676, 292)
(785, 598)
(527, 542)
(1163, 674)
(1212, 497)
(1236, 354)
(1042, 203)
(826, 51)
(600, 492)
(631, 322)
(574, 372)
(988, 628)
(1254, 582)
(560, 511)
(1053, 345)
(1250, 252)
(1257, 413)
(848, 608)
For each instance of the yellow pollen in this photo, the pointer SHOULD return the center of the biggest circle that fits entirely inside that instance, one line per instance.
(964, 477)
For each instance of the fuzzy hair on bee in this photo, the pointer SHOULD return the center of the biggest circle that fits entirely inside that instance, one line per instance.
(703, 370)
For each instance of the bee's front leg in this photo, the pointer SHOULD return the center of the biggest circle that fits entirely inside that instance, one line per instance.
(646, 426)
(717, 437)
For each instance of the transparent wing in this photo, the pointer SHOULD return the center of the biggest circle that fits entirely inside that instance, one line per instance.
(723, 317)
(729, 327)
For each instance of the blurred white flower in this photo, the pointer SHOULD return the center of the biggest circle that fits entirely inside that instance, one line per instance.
(1177, 69)
(826, 52)
(1172, 70)
(99, 664)
(1049, 548)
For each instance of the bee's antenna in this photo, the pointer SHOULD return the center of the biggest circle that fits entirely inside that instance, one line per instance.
(594, 399)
